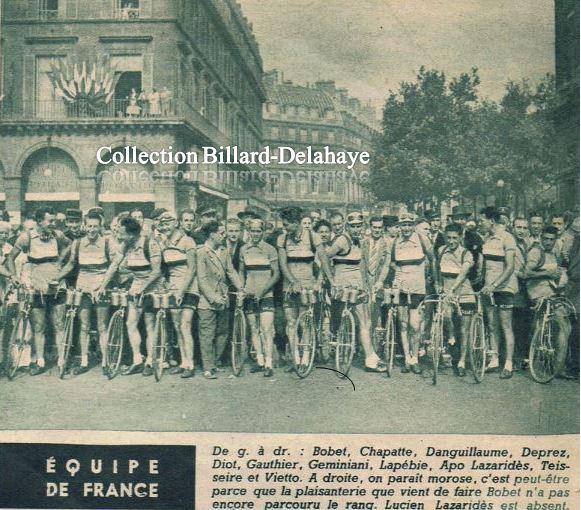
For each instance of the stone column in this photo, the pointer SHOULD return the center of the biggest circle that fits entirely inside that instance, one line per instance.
(87, 193)
(14, 196)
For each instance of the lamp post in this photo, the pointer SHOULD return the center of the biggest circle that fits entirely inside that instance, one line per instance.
(500, 192)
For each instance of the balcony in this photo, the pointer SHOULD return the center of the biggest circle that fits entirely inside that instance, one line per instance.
(117, 111)
(48, 14)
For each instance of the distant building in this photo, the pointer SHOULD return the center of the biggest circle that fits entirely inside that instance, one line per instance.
(567, 76)
(184, 74)
(316, 115)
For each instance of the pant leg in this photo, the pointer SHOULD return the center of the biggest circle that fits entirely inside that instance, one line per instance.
(221, 332)
(207, 334)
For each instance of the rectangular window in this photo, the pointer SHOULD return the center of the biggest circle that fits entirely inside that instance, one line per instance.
(274, 132)
(126, 9)
(48, 9)
(303, 135)
(292, 133)
(315, 136)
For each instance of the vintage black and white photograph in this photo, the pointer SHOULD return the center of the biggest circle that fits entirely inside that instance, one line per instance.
(290, 216)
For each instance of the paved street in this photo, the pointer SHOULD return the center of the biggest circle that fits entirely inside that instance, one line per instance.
(321, 403)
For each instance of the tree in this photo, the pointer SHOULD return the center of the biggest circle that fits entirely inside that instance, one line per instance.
(438, 136)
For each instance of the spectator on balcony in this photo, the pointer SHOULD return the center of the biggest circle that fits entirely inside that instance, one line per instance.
(143, 103)
(166, 97)
(154, 103)
(133, 110)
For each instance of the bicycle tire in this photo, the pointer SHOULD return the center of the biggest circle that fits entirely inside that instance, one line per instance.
(67, 342)
(16, 346)
(437, 339)
(306, 343)
(239, 345)
(389, 350)
(378, 335)
(542, 353)
(159, 345)
(345, 345)
(477, 347)
(115, 341)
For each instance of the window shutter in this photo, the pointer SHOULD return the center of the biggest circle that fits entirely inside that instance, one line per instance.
(145, 8)
(71, 12)
(28, 92)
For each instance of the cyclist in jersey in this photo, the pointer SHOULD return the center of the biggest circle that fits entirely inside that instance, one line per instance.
(545, 278)
(325, 231)
(297, 249)
(350, 270)
(412, 260)
(338, 223)
(178, 252)
(452, 266)
(90, 256)
(500, 285)
(141, 257)
(259, 271)
(46, 248)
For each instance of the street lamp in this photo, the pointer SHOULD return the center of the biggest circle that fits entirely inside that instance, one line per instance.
(500, 193)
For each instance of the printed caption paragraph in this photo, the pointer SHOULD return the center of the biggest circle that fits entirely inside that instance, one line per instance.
(404, 473)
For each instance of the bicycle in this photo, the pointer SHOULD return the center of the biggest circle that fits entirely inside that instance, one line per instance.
(116, 333)
(72, 302)
(162, 302)
(344, 344)
(542, 353)
(385, 330)
(239, 350)
(322, 316)
(435, 346)
(306, 334)
(18, 341)
(479, 339)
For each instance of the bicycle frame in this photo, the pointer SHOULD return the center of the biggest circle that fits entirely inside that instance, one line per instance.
(18, 341)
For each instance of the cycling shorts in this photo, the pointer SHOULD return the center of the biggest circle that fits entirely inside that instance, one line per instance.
(501, 299)
(411, 301)
(265, 305)
(49, 300)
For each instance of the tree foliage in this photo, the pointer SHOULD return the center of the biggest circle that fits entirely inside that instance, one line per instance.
(439, 136)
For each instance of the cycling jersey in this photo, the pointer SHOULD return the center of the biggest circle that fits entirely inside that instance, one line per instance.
(347, 262)
(93, 259)
(300, 255)
(43, 257)
(495, 251)
(138, 263)
(409, 257)
(541, 260)
(257, 265)
(450, 263)
(175, 258)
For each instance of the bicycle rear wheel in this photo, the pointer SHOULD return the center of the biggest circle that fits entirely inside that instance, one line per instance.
(389, 349)
(437, 338)
(16, 346)
(306, 344)
(345, 345)
(239, 345)
(159, 345)
(67, 342)
(542, 354)
(115, 341)
(477, 347)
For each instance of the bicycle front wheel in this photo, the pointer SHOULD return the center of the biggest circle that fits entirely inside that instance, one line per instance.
(542, 354)
(115, 341)
(389, 349)
(345, 345)
(159, 345)
(437, 339)
(239, 346)
(16, 346)
(323, 321)
(378, 335)
(66, 344)
(306, 344)
(477, 347)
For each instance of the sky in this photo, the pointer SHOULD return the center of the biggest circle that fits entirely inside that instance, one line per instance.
(370, 46)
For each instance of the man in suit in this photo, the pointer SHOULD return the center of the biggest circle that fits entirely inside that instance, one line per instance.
(214, 268)
(206, 216)
(436, 235)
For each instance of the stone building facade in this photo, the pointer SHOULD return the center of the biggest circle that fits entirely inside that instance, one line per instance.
(316, 115)
(150, 73)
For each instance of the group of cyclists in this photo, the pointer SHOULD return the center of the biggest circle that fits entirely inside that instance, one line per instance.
(210, 268)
